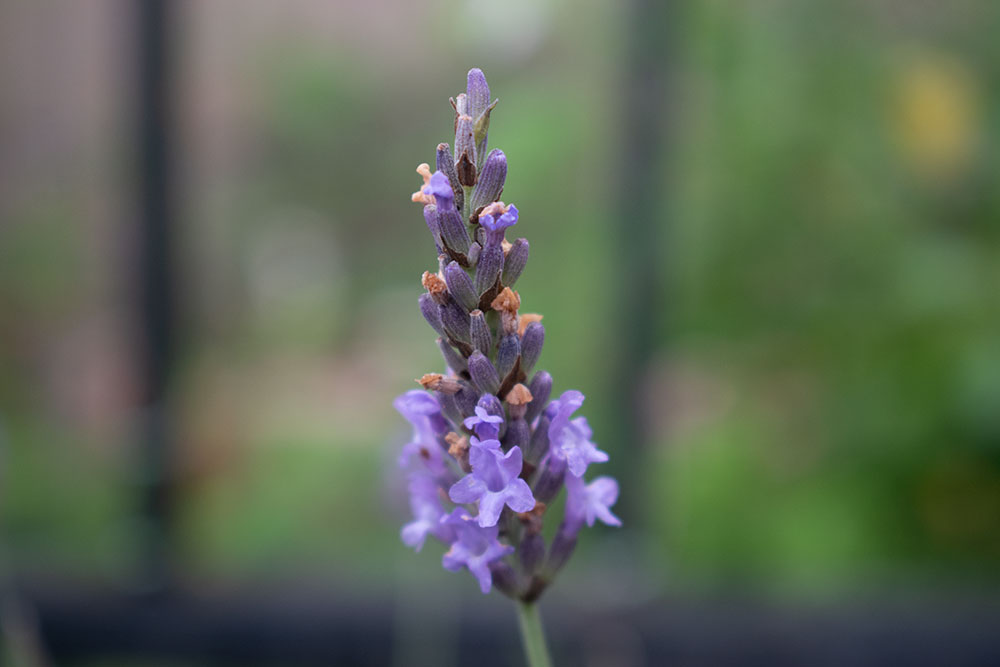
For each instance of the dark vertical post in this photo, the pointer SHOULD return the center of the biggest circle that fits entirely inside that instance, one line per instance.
(641, 232)
(156, 312)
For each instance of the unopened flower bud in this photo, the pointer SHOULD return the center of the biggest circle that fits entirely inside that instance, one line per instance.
(456, 362)
(460, 286)
(541, 389)
(477, 92)
(518, 434)
(491, 180)
(550, 480)
(479, 107)
(431, 218)
(455, 320)
(483, 374)
(453, 231)
(446, 164)
(507, 353)
(514, 262)
(465, 151)
(479, 331)
(431, 312)
(531, 345)
(488, 268)
(538, 447)
(466, 399)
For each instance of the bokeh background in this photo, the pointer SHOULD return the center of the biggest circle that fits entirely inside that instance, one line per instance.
(765, 239)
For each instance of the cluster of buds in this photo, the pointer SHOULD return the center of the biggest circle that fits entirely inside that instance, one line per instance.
(490, 451)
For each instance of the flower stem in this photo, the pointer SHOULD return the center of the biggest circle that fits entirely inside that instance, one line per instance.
(532, 635)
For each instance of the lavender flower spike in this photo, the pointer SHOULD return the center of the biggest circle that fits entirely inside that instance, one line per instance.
(493, 482)
(490, 453)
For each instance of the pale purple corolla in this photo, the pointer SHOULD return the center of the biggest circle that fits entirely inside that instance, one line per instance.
(494, 482)
(423, 412)
(474, 547)
(428, 515)
(589, 502)
(485, 425)
(569, 439)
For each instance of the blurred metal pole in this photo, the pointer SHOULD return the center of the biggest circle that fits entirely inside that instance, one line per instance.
(156, 304)
(641, 234)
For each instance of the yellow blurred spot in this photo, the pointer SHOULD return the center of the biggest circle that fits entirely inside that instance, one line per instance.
(936, 115)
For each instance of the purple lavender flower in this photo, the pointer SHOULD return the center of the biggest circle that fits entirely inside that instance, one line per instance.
(495, 219)
(493, 482)
(588, 502)
(424, 413)
(486, 426)
(440, 187)
(570, 439)
(486, 436)
(474, 547)
(425, 503)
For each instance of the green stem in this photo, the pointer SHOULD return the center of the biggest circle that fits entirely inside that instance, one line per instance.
(532, 635)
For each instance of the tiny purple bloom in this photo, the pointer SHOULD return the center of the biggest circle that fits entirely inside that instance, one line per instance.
(440, 187)
(570, 439)
(425, 502)
(493, 482)
(475, 547)
(508, 219)
(487, 426)
(424, 413)
(587, 502)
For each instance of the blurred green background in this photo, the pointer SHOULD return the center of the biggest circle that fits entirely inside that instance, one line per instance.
(823, 401)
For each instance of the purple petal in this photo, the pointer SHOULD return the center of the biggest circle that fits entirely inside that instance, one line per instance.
(452, 560)
(509, 219)
(416, 403)
(481, 571)
(519, 496)
(483, 453)
(490, 506)
(467, 490)
(603, 493)
(511, 464)
(414, 533)
(604, 490)
(440, 187)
